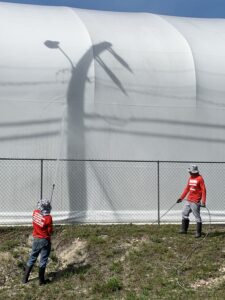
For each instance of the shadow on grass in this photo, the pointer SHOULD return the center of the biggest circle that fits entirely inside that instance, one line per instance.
(69, 271)
(216, 233)
(60, 274)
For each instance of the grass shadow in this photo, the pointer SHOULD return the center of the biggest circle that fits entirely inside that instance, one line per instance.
(216, 234)
(68, 272)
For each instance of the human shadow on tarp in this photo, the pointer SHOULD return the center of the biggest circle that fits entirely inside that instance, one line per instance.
(76, 167)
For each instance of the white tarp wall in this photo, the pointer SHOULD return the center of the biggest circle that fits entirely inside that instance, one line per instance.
(79, 84)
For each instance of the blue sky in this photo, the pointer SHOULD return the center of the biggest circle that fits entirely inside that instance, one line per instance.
(188, 8)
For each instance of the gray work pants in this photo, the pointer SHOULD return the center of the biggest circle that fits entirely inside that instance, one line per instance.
(191, 207)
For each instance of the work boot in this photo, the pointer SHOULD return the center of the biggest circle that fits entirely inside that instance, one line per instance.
(184, 226)
(198, 230)
(26, 274)
(42, 279)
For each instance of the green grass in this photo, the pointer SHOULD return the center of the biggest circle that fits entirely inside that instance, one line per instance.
(130, 262)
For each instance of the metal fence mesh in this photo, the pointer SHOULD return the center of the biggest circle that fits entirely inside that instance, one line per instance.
(20, 187)
(105, 191)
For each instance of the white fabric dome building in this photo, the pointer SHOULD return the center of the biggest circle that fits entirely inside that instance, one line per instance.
(92, 85)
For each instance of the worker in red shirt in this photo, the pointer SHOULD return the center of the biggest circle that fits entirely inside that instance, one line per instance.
(196, 198)
(42, 231)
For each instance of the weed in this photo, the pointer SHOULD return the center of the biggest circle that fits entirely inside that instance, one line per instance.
(8, 245)
(112, 285)
(116, 267)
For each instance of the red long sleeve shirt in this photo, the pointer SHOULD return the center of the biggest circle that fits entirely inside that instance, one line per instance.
(196, 189)
(42, 225)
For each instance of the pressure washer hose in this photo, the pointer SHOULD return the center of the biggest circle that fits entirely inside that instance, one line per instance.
(193, 249)
(191, 252)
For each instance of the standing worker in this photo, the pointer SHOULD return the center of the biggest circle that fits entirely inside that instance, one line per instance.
(42, 231)
(196, 198)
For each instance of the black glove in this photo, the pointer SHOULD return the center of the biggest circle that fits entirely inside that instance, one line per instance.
(202, 204)
(179, 200)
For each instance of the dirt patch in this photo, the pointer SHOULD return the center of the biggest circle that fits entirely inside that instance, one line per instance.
(211, 282)
(133, 244)
(71, 254)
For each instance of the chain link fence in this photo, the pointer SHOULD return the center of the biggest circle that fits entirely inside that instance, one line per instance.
(94, 191)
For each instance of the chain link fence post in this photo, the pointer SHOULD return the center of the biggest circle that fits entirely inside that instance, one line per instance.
(158, 192)
(41, 191)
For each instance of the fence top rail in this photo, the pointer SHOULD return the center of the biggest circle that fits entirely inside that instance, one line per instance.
(114, 160)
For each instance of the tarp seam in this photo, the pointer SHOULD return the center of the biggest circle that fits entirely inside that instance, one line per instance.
(91, 42)
(189, 46)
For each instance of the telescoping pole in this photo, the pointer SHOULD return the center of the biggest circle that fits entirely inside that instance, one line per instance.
(53, 187)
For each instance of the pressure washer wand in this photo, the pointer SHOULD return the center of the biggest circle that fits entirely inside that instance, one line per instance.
(53, 187)
(164, 214)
